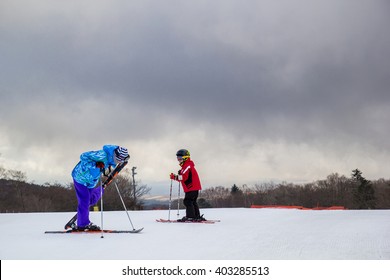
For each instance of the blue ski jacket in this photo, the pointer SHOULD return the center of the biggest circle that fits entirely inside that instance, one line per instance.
(86, 172)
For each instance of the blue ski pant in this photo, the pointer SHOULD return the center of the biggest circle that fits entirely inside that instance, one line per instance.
(86, 197)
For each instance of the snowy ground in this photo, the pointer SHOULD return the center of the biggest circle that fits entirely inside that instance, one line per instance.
(243, 234)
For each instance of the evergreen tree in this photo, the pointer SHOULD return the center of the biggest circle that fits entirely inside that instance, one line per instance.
(364, 194)
(235, 190)
(236, 196)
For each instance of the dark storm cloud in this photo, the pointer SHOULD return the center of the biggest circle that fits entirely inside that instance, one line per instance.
(302, 71)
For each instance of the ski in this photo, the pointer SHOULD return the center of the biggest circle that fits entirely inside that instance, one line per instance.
(197, 222)
(72, 223)
(93, 231)
(113, 173)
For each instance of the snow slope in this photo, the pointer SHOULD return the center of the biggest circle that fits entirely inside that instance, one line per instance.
(243, 234)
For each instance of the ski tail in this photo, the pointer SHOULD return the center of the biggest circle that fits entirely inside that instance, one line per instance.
(114, 173)
(72, 223)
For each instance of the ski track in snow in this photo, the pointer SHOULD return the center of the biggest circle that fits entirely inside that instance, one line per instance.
(242, 234)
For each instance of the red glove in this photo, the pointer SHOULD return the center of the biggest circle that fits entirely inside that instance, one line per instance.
(173, 176)
(100, 164)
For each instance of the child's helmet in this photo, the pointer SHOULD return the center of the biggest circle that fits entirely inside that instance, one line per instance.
(183, 153)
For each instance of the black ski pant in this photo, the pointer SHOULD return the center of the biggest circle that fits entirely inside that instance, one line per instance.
(192, 208)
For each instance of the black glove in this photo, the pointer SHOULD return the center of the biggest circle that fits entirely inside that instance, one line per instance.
(100, 164)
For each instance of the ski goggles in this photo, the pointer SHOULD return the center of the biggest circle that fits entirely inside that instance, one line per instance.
(182, 157)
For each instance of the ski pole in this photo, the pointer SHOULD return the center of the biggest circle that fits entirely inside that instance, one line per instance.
(170, 201)
(101, 206)
(178, 200)
(124, 205)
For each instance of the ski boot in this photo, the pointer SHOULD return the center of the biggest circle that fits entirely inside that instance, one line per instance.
(90, 227)
(186, 220)
(200, 219)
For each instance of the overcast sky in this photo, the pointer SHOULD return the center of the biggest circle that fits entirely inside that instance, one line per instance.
(256, 90)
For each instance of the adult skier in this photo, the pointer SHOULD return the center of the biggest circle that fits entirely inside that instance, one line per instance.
(86, 177)
(189, 179)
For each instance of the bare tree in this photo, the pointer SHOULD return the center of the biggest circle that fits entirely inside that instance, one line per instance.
(19, 177)
(126, 189)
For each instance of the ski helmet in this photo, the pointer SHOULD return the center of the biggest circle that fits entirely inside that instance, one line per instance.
(183, 153)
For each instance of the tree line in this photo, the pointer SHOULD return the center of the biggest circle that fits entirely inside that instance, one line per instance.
(17, 195)
(354, 192)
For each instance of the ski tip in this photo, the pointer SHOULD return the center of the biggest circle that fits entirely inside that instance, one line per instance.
(137, 230)
(165, 221)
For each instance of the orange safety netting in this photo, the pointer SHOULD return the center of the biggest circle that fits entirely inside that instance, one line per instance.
(299, 207)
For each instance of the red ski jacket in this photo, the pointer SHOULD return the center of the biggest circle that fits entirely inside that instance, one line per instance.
(188, 177)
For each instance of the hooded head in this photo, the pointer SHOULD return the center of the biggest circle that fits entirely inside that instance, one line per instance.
(121, 154)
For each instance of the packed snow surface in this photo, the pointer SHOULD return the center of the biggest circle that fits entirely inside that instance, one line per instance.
(242, 234)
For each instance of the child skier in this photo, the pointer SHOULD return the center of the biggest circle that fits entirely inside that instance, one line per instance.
(86, 177)
(189, 179)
